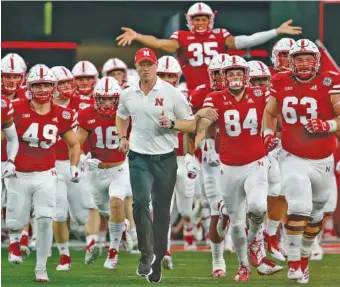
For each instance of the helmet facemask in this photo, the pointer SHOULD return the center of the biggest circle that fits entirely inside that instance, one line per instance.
(120, 75)
(107, 105)
(263, 81)
(236, 79)
(85, 84)
(217, 79)
(10, 83)
(42, 92)
(66, 89)
(282, 60)
(171, 78)
(304, 65)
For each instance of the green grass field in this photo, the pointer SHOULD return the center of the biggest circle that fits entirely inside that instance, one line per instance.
(191, 269)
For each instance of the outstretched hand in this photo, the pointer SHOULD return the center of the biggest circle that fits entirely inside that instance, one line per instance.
(127, 37)
(287, 29)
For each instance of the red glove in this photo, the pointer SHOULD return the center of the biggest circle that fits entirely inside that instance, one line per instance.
(270, 142)
(319, 126)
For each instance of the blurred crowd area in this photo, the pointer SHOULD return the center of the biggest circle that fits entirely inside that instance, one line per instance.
(86, 30)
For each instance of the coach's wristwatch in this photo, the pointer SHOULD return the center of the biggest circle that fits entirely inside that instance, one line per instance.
(123, 137)
(172, 124)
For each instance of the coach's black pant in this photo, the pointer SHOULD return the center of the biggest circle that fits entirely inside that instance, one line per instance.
(152, 177)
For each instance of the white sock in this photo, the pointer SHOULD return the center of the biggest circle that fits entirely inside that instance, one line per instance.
(91, 237)
(272, 226)
(294, 243)
(63, 248)
(254, 228)
(44, 240)
(217, 255)
(102, 236)
(239, 236)
(116, 231)
(133, 233)
(14, 237)
(306, 246)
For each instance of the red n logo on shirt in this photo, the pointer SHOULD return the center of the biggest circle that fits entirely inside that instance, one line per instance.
(159, 102)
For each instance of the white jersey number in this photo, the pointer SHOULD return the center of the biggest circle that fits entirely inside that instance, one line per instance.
(203, 53)
(111, 138)
(233, 125)
(49, 133)
(289, 112)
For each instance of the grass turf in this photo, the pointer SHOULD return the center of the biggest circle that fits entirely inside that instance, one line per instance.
(191, 269)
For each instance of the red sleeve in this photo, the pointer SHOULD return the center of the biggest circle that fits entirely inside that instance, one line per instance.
(82, 116)
(224, 32)
(210, 101)
(277, 83)
(7, 110)
(178, 35)
(69, 120)
(335, 85)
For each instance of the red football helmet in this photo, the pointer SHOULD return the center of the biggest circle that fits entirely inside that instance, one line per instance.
(106, 95)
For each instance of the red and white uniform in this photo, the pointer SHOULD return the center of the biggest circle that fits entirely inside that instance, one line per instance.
(36, 177)
(196, 51)
(306, 159)
(273, 72)
(6, 110)
(244, 163)
(103, 143)
(73, 198)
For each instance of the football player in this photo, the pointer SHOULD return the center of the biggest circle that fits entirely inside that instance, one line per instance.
(109, 172)
(39, 123)
(86, 75)
(13, 72)
(73, 197)
(202, 42)
(116, 68)
(244, 166)
(307, 103)
(280, 56)
(259, 75)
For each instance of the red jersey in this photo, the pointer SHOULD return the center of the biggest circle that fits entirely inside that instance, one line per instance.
(77, 102)
(6, 110)
(103, 137)
(299, 102)
(38, 134)
(198, 95)
(196, 52)
(273, 72)
(239, 125)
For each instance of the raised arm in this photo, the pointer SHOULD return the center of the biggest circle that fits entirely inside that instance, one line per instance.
(241, 42)
(129, 35)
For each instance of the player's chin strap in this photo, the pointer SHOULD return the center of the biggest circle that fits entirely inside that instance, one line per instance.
(12, 142)
(255, 39)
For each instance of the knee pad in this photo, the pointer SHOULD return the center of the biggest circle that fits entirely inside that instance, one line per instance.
(81, 218)
(296, 224)
(60, 214)
(211, 180)
(257, 218)
(14, 224)
(257, 207)
(300, 208)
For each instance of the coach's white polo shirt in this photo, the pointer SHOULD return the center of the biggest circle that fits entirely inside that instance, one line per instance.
(147, 137)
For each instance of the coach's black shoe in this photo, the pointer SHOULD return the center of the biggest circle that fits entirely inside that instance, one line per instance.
(145, 262)
(156, 275)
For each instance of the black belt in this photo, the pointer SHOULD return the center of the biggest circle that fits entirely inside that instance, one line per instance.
(154, 157)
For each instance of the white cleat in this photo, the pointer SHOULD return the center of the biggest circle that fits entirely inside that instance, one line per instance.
(268, 267)
(64, 263)
(167, 261)
(294, 272)
(218, 273)
(317, 252)
(93, 250)
(198, 231)
(41, 275)
(305, 270)
(190, 247)
(112, 259)
(223, 221)
(127, 241)
(14, 253)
